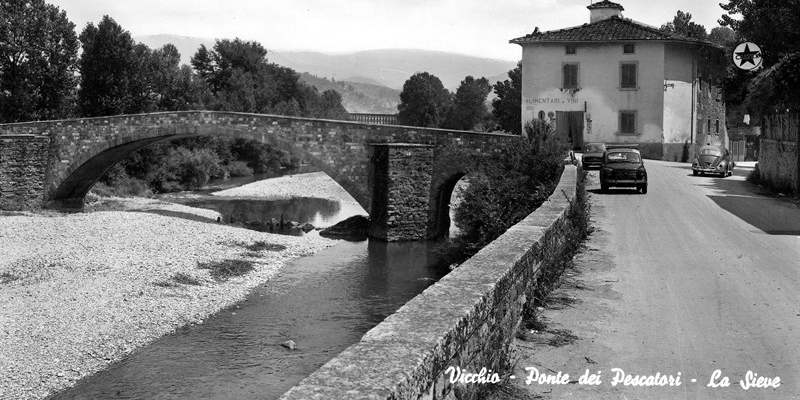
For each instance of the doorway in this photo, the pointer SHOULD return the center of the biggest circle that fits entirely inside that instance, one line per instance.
(570, 125)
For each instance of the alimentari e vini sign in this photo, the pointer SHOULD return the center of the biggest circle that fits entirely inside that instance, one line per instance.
(552, 100)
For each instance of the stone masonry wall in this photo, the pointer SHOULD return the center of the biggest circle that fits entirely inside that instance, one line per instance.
(83, 149)
(779, 161)
(467, 319)
(402, 180)
(23, 166)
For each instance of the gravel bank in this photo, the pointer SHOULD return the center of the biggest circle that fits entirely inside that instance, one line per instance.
(315, 184)
(80, 291)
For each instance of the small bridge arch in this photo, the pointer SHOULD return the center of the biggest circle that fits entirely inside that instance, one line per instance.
(399, 174)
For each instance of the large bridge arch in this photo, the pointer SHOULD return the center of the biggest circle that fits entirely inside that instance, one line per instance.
(78, 167)
(401, 175)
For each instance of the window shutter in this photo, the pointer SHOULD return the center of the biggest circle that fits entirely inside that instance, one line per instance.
(628, 76)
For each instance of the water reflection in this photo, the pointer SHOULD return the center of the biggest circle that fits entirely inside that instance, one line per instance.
(323, 302)
(261, 215)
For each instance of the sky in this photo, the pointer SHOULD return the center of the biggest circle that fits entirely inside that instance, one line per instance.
(475, 27)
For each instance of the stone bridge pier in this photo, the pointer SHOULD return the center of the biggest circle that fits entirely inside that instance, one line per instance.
(403, 176)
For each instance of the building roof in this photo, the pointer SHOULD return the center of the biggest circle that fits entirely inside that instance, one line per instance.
(605, 4)
(610, 29)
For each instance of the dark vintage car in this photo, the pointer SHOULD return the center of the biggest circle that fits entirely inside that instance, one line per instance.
(713, 159)
(623, 168)
(593, 155)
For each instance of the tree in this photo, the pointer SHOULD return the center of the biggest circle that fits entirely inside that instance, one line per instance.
(38, 56)
(722, 36)
(424, 101)
(775, 28)
(469, 104)
(507, 106)
(682, 25)
(241, 79)
(111, 72)
(772, 25)
(327, 105)
(509, 183)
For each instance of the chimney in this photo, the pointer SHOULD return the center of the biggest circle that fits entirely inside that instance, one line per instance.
(604, 10)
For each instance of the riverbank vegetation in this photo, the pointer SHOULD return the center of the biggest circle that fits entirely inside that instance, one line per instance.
(505, 186)
(189, 164)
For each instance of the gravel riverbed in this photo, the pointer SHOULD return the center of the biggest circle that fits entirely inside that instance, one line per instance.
(81, 291)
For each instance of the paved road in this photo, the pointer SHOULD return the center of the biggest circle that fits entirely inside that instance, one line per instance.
(699, 275)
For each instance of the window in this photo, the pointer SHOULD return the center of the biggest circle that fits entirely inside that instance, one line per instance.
(627, 75)
(627, 122)
(541, 114)
(708, 126)
(569, 76)
(717, 129)
(570, 49)
(628, 48)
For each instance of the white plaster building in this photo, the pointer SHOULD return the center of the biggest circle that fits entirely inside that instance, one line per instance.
(616, 80)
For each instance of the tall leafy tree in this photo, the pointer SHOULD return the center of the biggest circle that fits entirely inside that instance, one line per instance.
(469, 104)
(111, 68)
(722, 36)
(683, 25)
(38, 56)
(327, 105)
(773, 25)
(507, 106)
(775, 28)
(424, 101)
(241, 79)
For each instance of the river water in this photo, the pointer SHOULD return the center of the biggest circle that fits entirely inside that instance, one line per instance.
(324, 302)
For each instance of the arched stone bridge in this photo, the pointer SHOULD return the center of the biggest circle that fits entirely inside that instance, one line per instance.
(403, 176)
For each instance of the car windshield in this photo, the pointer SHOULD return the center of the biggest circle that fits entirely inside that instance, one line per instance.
(622, 156)
(595, 148)
(710, 152)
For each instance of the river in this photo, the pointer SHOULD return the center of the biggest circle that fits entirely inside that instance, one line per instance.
(324, 303)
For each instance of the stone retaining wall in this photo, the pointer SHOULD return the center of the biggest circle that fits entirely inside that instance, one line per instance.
(779, 160)
(468, 319)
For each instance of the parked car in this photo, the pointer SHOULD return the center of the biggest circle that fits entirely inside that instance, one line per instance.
(623, 168)
(593, 155)
(711, 159)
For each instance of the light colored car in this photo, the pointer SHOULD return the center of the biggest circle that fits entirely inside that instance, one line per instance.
(713, 159)
(593, 155)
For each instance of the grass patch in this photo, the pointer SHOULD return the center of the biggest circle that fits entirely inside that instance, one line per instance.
(262, 245)
(179, 278)
(165, 284)
(186, 279)
(226, 269)
(7, 277)
(560, 258)
(256, 246)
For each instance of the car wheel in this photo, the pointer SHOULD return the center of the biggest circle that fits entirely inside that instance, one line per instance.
(603, 187)
(644, 189)
(694, 173)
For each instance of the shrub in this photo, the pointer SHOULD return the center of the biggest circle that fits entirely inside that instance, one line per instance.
(754, 176)
(509, 184)
(225, 269)
(193, 168)
(117, 183)
(238, 168)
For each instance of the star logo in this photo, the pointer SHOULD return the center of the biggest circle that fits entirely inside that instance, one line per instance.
(747, 56)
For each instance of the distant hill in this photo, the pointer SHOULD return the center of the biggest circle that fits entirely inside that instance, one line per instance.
(392, 67)
(387, 67)
(358, 97)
